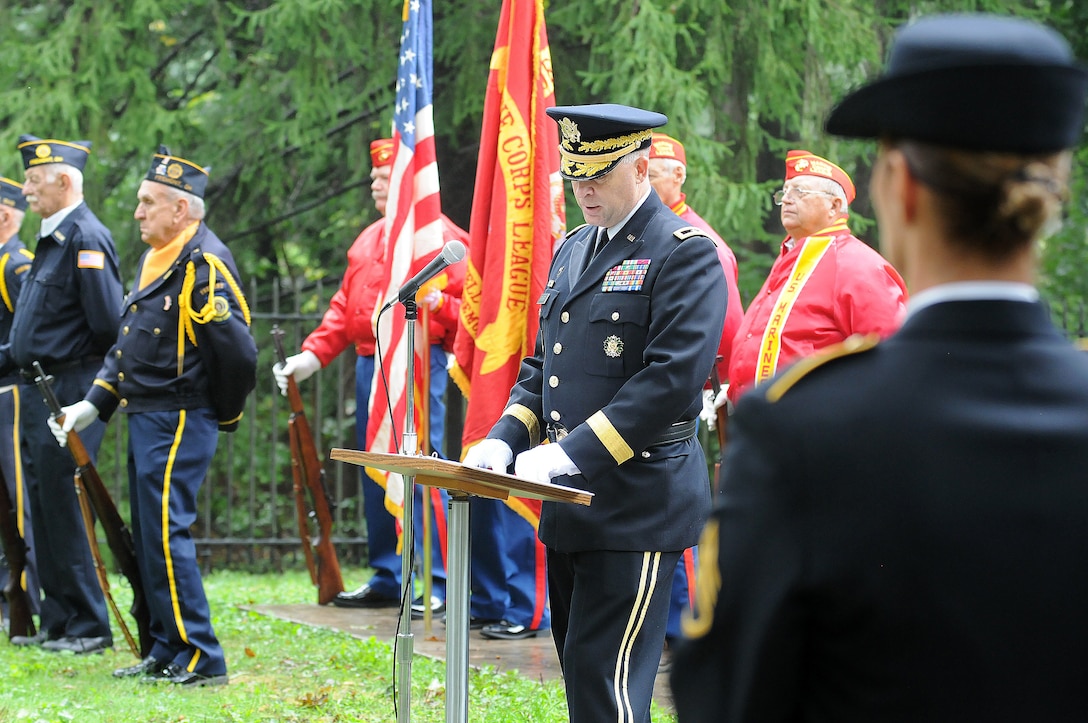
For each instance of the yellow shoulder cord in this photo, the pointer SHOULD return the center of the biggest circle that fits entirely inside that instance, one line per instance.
(187, 315)
(4, 292)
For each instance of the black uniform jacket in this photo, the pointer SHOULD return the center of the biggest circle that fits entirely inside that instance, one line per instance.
(15, 261)
(184, 340)
(901, 536)
(68, 303)
(623, 351)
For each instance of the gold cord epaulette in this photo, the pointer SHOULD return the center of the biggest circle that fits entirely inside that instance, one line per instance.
(214, 308)
(853, 344)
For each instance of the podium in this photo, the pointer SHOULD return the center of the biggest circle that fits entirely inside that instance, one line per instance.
(460, 482)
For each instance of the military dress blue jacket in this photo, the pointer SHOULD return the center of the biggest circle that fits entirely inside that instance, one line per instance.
(184, 340)
(622, 353)
(67, 307)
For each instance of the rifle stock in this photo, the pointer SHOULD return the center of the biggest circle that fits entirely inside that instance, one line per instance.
(21, 619)
(723, 423)
(308, 477)
(118, 536)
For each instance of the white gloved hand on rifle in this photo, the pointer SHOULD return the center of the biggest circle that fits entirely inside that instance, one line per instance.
(543, 462)
(302, 366)
(492, 454)
(77, 417)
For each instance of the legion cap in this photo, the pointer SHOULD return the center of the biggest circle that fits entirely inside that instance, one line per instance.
(176, 172)
(40, 151)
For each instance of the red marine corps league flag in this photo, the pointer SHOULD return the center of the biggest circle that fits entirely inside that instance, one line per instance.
(413, 235)
(517, 217)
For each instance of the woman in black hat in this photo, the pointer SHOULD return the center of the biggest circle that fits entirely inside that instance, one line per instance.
(900, 531)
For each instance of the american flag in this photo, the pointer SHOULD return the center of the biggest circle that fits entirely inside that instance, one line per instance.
(413, 232)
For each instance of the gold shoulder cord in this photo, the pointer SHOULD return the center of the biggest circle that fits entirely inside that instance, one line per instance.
(186, 314)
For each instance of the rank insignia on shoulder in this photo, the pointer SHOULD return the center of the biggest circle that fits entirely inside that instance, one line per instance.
(687, 232)
(628, 276)
(853, 344)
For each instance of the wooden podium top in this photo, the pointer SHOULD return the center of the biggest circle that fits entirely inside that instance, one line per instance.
(456, 477)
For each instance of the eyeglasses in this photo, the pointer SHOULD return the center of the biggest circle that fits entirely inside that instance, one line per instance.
(783, 193)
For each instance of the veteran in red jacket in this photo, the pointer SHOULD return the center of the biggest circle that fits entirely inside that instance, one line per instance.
(825, 285)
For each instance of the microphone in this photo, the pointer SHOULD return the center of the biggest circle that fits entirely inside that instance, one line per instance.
(451, 253)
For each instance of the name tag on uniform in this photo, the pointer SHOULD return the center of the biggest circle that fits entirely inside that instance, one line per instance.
(91, 260)
(628, 276)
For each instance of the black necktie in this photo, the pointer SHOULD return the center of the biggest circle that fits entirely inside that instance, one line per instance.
(600, 244)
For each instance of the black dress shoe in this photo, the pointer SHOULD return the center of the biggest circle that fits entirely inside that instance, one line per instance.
(364, 597)
(504, 630)
(176, 675)
(79, 646)
(438, 608)
(145, 667)
(37, 639)
(477, 623)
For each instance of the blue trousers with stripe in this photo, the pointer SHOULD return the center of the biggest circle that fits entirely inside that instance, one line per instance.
(609, 611)
(508, 566)
(381, 531)
(11, 461)
(168, 457)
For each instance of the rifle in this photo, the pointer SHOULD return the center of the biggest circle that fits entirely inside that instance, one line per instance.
(723, 423)
(118, 536)
(311, 496)
(21, 620)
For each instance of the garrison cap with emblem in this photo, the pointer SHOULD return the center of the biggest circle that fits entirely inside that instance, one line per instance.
(381, 152)
(803, 163)
(11, 194)
(972, 81)
(663, 146)
(593, 138)
(176, 172)
(40, 151)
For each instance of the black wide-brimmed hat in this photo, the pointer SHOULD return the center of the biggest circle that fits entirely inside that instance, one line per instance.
(593, 138)
(176, 172)
(977, 82)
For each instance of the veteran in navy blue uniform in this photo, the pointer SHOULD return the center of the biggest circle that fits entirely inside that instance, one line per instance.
(65, 318)
(183, 363)
(15, 261)
(627, 338)
(901, 534)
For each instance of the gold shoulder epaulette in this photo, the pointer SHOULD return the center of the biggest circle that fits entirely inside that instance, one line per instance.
(682, 234)
(576, 228)
(853, 344)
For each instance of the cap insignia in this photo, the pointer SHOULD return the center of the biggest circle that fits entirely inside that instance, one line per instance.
(569, 130)
(801, 165)
(43, 151)
(174, 170)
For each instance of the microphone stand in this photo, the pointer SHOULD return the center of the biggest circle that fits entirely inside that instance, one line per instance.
(405, 640)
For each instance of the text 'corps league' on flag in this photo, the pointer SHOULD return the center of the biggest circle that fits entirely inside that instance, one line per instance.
(413, 236)
(517, 218)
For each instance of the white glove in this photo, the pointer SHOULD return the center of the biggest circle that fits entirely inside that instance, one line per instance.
(709, 415)
(492, 454)
(722, 397)
(302, 366)
(77, 417)
(433, 300)
(543, 462)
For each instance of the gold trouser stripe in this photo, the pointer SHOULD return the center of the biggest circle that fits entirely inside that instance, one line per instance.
(646, 585)
(696, 624)
(610, 437)
(771, 345)
(526, 416)
(165, 524)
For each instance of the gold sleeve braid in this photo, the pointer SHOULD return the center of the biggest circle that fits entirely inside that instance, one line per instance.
(187, 315)
(4, 291)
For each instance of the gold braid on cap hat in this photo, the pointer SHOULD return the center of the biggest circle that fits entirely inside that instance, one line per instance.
(582, 164)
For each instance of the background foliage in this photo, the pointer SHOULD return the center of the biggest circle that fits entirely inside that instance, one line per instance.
(282, 98)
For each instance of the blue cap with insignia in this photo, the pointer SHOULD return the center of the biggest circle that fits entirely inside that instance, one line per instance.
(40, 151)
(593, 138)
(11, 194)
(176, 172)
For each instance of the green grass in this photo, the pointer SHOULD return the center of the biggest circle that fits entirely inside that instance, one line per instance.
(280, 671)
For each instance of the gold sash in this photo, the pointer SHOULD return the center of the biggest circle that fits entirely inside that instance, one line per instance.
(771, 345)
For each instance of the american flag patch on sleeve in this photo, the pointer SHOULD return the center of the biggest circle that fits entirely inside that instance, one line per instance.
(91, 260)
